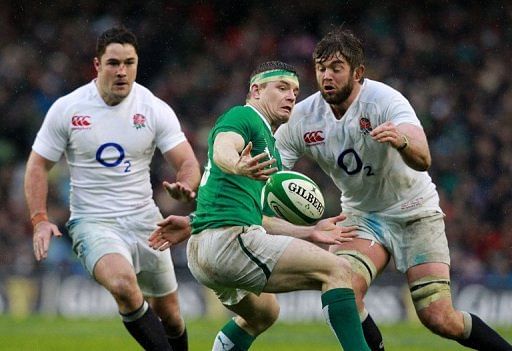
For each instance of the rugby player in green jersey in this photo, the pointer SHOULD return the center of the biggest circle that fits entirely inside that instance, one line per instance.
(230, 249)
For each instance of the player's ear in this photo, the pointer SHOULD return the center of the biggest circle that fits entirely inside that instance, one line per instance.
(96, 63)
(358, 73)
(255, 91)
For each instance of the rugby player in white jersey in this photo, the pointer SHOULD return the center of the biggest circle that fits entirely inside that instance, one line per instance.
(366, 136)
(108, 130)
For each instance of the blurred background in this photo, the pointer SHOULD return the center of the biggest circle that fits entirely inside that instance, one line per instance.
(451, 59)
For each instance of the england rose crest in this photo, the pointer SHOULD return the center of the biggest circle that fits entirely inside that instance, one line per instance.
(365, 125)
(139, 121)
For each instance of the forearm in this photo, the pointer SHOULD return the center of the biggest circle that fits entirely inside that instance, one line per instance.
(414, 149)
(278, 226)
(226, 151)
(189, 173)
(226, 158)
(36, 187)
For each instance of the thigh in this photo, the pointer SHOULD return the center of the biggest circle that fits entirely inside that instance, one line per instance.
(421, 271)
(234, 261)
(420, 241)
(302, 266)
(95, 238)
(155, 270)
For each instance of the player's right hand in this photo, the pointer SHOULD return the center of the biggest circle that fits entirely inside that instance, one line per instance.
(43, 232)
(252, 167)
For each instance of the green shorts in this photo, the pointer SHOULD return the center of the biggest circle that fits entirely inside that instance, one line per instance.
(233, 261)
(95, 237)
(410, 241)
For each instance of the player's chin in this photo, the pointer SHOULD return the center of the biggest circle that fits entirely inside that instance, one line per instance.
(284, 115)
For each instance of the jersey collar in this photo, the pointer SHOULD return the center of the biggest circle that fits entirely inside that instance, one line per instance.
(261, 116)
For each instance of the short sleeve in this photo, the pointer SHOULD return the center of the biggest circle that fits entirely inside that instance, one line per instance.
(52, 138)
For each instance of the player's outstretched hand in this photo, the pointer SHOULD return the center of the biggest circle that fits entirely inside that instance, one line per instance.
(387, 132)
(171, 231)
(252, 167)
(327, 232)
(180, 191)
(43, 232)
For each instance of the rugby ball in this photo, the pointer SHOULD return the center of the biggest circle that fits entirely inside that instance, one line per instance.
(294, 197)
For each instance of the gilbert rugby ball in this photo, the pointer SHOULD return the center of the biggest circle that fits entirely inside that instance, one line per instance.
(294, 197)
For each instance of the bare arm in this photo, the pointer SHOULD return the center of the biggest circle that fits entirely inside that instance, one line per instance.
(36, 192)
(188, 174)
(324, 232)
(409, 140)
(230, 155)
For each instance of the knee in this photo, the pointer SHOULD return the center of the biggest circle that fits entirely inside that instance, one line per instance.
(123, 287)
(340, 272)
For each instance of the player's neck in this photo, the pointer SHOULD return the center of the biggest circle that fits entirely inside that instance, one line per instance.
(338, 111)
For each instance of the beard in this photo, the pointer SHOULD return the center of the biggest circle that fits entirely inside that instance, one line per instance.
(340, 95)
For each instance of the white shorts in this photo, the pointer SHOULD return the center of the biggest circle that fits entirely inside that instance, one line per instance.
(410, 241)
(233, 261)
(95, 237)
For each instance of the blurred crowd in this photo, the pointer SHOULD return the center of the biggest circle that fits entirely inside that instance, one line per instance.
(448, 58)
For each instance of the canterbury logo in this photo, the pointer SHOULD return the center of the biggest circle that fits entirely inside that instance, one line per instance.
(314, 137)
(80, 121)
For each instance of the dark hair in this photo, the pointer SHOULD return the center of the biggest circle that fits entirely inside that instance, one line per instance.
(271, 65)
(119, 35)
(341, 41)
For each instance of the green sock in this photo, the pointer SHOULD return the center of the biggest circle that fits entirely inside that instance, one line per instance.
(233, 337)
(340, 311)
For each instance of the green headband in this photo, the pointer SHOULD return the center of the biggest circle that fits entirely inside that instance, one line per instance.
(273, 75)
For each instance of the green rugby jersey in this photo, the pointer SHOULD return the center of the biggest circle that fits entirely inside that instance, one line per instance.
(227, 199)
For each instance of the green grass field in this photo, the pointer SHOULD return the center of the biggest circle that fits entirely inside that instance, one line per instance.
(54, 334)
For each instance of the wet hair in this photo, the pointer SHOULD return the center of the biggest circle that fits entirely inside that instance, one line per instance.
(272, 65)
(119, 35)
(341, 41)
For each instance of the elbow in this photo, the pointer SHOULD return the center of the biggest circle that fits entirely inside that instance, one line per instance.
(424, 164)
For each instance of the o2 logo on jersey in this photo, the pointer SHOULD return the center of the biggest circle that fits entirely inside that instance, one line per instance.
(109, 148)
(351, 163)
(314, 137)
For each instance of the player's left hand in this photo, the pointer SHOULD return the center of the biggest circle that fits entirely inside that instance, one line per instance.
(327, 232)
(387, 132)
(171, 231)
(180, 191)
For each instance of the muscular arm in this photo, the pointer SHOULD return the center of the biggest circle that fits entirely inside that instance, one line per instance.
(231, 157)
(226, 151)
(36, 183)
(36, 192)
(325, 232)
(416, 154)
(188, 173)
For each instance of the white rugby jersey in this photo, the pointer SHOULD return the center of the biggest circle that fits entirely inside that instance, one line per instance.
(371, 176)
(108, 148)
